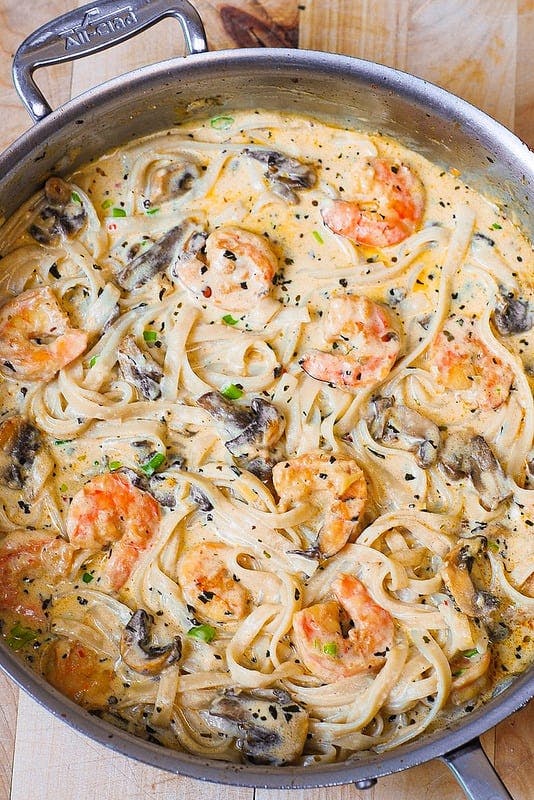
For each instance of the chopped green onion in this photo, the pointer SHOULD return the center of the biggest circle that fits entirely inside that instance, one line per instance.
(152, 211)
(150, 336)
(75, 197)
(93, 361)
(221, 122)
(113, 465)
(470, 653)
(63, 487)
(232, 392)
(118, 212)
(493, 546)
(151, 466)
(458, 673)
(317, 236)
(496, 226)
(330, 649)
(107, 203)
(204, 633)
(87, 577)
(229, 319)
(19, 636)
(62, 441)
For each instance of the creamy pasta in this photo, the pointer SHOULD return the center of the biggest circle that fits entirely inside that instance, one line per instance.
(266, 440)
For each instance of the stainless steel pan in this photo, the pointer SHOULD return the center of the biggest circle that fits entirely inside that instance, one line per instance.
(335, 88)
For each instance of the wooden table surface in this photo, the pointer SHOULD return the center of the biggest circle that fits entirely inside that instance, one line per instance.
(480, 49)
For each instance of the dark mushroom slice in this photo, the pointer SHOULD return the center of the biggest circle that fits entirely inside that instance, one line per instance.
(286, 175)
(138, 654)
(19, 444)
(512, 314)
(171, 181)
(139, 368)
(470, 456)
(402, 427)
(163, 487)
(270, 727)
(202, 500)
(456, 574)
(61, 214)
(155, 260)
(255, 431)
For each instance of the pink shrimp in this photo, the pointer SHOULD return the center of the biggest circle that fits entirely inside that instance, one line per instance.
(36, 339)
(209, 586)
(24, 557)
(390, 212)
(109, 510)
(461, 361)
(335, 486)
(323, 646)
(236, 271)
(364, 345)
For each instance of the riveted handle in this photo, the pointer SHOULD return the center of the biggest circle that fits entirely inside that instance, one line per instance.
(475, 774)
(92, 28)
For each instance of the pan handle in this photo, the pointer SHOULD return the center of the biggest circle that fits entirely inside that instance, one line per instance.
(474, 772)
(92, 28)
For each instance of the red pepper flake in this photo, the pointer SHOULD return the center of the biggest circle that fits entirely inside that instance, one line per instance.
(206, 292)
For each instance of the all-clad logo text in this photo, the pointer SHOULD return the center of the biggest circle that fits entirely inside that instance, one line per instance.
(95, 25)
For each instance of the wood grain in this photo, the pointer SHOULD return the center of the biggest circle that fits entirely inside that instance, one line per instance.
(480, 49)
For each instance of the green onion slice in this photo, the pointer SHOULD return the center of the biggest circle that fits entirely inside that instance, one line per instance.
(330, 649)
(75, 197)
(118, 212)
(221, 122)
(150, 336)
(87, 577)
(19, 636)
(93, 361)
(317, 236)
(470, 653)
(107, 203)
(113, 465)
(232, 392)
(203, 633)
(151, 466)
(229, 319)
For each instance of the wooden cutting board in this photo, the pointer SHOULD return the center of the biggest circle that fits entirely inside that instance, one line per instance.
(479, 49)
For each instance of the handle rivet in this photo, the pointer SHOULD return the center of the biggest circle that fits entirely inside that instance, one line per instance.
(365, 783)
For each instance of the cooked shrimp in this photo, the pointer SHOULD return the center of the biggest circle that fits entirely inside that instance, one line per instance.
(326, 643)
(364, 344)
(335, 486)
(236, 271)
(389, 213)
(36, 339)
(80, 673)
(109, 510)
(209, 586)
(26, 557)
(462, 362)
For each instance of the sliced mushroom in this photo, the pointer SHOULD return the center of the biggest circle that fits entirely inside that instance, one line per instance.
(470, 456)
(512, 315)
(19, 444)
(286, 175)
(255, 431)
(456, 574)
(61, 214)
(171, 181)
(402, 427)
(163, 487)
(138, 654)
(139, 368)
(156, 259)
(271, 728)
